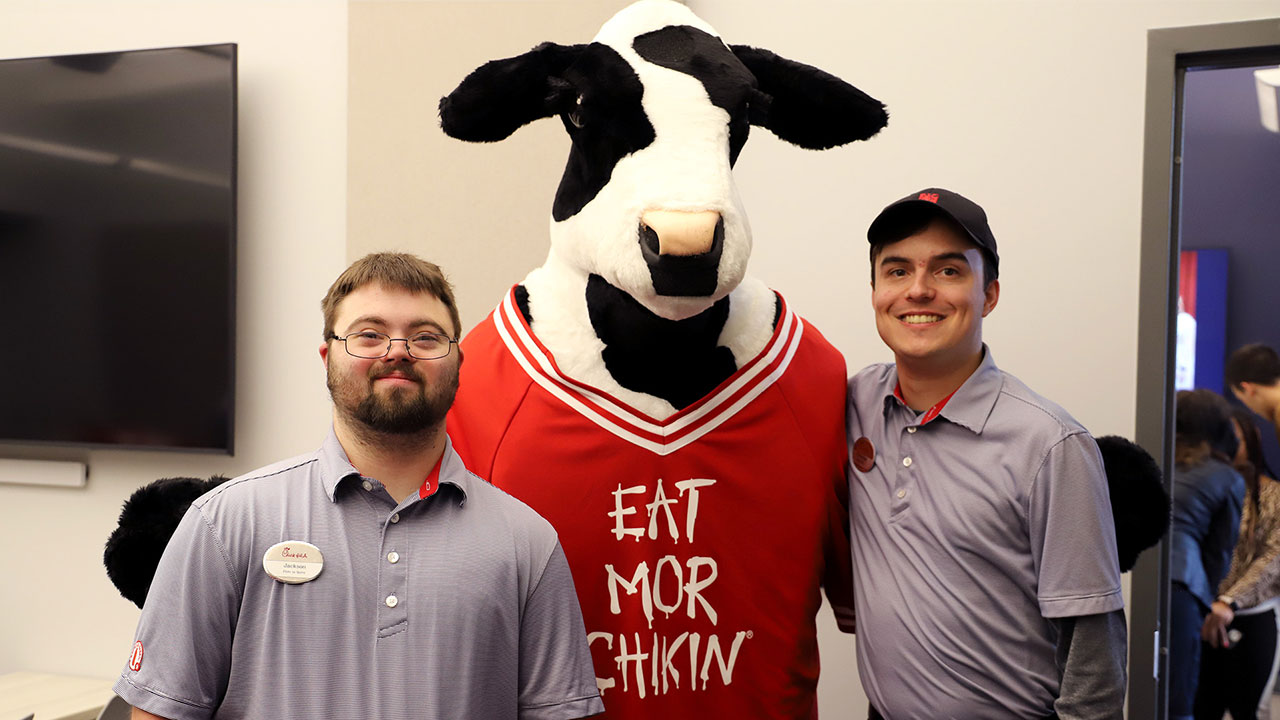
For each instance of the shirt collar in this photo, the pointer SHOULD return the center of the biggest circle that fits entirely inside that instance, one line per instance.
(335, 467)
(971, 404)
(929, 415)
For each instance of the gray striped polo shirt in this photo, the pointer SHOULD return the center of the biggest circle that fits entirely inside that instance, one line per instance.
(456, 605)
(970, 532)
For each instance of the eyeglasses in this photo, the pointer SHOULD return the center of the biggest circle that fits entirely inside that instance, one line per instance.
(373, 345)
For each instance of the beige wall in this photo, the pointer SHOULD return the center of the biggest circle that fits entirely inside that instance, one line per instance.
(58, 611)
(479, 210)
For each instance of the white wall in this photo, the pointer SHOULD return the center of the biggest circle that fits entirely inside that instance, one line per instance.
(1035, 110)
(58, 611)
(479, 210)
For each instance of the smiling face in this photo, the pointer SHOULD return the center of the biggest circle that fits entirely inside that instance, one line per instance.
(396, 394)
(929, 300)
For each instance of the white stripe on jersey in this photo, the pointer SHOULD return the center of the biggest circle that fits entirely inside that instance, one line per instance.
(631, 425)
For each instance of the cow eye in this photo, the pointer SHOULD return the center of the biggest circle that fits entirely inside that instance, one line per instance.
(575, 115)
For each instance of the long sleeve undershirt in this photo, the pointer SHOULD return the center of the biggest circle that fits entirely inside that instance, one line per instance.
(1092, 652)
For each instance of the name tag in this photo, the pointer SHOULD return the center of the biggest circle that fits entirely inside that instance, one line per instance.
(293, 562)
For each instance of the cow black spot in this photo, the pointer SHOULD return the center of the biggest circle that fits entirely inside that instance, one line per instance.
(522, 303)
(676, 360)
(683, 275)
(609, 124)
(728, 82)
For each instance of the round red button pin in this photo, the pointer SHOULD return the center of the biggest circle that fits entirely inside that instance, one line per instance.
(864, 454)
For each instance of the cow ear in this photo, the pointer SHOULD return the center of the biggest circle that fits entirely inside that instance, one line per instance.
(806, 106)
(502, 95)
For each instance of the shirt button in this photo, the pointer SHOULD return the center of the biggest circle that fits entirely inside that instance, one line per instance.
(902, 494)
(395, 518)
(906, 462)
(912, 429)
(393, 557)
(392, 601)
(367, 485)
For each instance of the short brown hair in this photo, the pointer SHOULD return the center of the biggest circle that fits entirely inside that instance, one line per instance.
(1255, 363)
(397, 270)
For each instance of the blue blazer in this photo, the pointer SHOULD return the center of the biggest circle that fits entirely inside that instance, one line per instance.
(1206, 521)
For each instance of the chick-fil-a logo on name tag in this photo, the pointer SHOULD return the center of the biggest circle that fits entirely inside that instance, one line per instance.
(293, 562)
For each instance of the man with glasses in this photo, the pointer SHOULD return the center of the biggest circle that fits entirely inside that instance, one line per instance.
(375, 577)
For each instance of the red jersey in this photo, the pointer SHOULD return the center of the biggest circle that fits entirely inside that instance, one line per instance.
(697, 543)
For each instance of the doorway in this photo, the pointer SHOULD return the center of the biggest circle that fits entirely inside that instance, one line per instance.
(1177, 214)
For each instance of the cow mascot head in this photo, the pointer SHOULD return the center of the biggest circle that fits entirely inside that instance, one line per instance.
(643, 292)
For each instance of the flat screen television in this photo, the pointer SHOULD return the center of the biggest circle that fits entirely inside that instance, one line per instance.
(117, 249)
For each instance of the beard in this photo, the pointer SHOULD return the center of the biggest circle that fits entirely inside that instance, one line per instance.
(401, 411)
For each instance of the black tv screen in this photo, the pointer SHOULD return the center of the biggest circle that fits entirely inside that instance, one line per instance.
(117, 248)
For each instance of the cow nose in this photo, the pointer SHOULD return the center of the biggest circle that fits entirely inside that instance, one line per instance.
(682, 233)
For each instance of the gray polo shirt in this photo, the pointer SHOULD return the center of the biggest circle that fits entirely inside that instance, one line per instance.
(457, 604)
(969, 533)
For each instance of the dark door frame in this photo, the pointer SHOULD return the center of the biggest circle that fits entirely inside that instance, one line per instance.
(1170, 51)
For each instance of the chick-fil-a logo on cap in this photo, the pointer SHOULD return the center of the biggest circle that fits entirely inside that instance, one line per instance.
(135, 658)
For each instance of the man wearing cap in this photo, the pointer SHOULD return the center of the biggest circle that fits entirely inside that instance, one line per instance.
(986, 578)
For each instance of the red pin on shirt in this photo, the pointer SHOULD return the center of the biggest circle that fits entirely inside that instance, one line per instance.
(864, 454)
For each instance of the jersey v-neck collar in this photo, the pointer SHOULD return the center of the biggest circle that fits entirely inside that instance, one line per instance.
(663, 436)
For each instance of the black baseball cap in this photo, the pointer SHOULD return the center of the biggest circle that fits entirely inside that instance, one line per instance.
(935, 202)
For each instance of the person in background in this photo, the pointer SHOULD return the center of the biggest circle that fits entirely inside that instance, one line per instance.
(1238, 666)
(375, 577)
(1253, 374)
(987, 582)
(1207, 497)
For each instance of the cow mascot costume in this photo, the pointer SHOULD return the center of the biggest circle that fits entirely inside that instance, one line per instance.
(680, 425)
